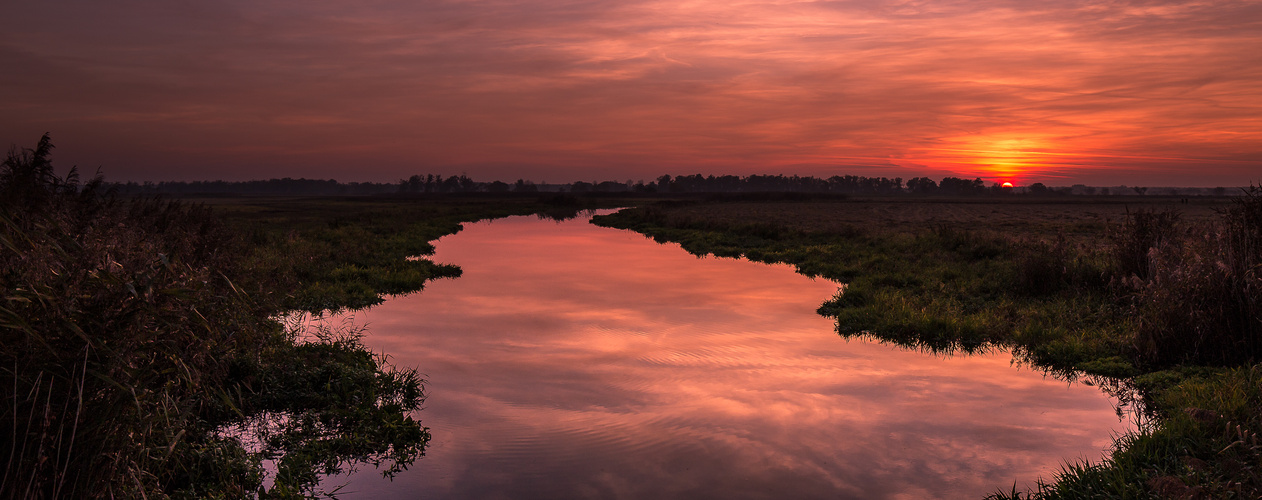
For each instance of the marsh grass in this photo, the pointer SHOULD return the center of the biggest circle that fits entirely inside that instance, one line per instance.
(1199, 297)
(116, 318)
(132, 332)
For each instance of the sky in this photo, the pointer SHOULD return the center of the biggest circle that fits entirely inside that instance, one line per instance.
(1061, 92)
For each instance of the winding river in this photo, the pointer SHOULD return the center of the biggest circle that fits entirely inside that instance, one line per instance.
(574, 361)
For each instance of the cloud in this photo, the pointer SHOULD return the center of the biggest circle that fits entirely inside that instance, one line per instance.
(586, 88)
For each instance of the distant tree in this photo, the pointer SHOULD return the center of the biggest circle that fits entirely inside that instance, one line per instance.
(1140, 190)
(497, 187)
(922, 185)
(610, 187)
(663, 183)
(449, 185)
(957, 186)
(525, 186)
(1038, 189)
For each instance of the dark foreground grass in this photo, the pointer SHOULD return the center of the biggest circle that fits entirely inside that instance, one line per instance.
(1162, 303)
(137, 341)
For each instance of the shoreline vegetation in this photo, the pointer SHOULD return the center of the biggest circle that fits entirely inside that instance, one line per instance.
(144, 352)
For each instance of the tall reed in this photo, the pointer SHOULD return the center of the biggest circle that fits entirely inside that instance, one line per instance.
(133, 332)
(1198, 298)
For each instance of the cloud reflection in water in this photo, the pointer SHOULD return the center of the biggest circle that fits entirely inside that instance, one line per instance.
(576, 361)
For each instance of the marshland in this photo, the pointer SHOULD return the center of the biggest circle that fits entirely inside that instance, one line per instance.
(680, 344)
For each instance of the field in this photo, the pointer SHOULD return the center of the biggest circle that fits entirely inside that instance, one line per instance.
(1078, 217)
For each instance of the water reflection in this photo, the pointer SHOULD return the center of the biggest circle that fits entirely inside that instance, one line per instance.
(576, 361)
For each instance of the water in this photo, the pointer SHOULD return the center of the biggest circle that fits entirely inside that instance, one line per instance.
(577, 361)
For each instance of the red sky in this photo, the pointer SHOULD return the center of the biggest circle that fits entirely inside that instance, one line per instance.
(1061, 92)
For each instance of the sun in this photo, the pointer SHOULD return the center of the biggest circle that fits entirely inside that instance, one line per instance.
(1007, 185)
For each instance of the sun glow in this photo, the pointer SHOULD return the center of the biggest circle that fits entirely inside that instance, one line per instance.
(1007, 158)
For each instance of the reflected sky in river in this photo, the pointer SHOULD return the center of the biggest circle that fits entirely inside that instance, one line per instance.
(576, 361)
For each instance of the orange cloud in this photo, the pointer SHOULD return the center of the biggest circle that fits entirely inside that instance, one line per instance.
(1134, 92)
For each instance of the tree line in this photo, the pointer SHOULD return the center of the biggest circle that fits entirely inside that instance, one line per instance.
(695, 183)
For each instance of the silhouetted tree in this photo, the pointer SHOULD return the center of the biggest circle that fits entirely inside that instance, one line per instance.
(957, 186)
(497, 187)
(922, 185)
(524, 186)
(663, 183)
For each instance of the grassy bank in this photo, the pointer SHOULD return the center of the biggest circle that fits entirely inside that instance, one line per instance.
(1161, 295)
(331, 253)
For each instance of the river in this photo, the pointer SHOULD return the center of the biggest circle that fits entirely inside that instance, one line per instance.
(574, 361)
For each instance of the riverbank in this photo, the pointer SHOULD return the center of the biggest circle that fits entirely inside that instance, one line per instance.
(1073, 287)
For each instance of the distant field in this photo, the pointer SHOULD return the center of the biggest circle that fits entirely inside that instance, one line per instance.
(1078, 217)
